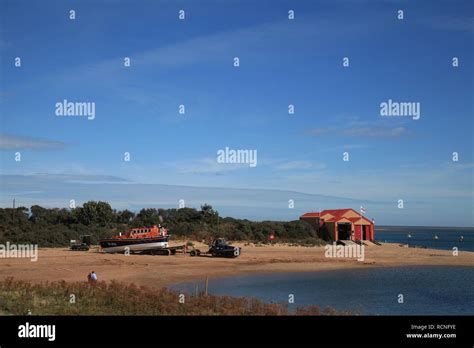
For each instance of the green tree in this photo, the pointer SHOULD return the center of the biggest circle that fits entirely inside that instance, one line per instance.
(93, 212)
(125, 216)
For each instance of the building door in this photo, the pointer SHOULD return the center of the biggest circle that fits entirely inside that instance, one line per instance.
(358, 232)
(344, 231)
(366, 232)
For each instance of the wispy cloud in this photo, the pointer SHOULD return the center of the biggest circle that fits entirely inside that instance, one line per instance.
(394, 132)
(216, 48)
(222, 45)
(315, 132)
(459, 165)
(204, 166)
(244, 203)
(65, 178)
(14, 142)
(211, 166)
(77, 178)
(361, 132)
(298, 165)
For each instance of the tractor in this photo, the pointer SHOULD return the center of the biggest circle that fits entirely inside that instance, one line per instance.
(83, 245)
(218, 248)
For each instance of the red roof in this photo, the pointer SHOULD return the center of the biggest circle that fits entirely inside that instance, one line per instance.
(337, 213)
(307, 215)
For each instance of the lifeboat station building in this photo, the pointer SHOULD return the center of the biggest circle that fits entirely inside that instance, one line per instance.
(340, 224)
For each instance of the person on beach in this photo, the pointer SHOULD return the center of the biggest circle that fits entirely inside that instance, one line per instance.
(92, 277)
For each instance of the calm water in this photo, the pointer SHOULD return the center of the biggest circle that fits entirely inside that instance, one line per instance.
(426, 290)
(448, 237)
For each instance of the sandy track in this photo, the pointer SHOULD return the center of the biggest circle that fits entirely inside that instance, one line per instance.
(62, 264)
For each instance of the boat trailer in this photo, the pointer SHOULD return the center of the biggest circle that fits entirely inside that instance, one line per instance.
(163, 251)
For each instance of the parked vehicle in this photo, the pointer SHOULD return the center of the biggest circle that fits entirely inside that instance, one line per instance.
(218, 248)
(82, 245)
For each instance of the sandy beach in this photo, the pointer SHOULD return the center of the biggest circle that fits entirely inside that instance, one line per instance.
(156, 271)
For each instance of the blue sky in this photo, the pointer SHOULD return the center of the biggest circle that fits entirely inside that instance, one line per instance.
(282, 62)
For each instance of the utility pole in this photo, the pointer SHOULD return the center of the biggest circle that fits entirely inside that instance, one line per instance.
(13, 210)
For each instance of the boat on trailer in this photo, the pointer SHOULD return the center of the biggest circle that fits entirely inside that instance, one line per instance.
(137, 240)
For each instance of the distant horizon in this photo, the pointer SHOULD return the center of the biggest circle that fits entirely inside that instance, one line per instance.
(137, 210)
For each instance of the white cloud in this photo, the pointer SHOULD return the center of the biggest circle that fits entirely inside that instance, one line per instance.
(297, 165)
(12, 142)
(359, 130)
(204, 166)
(375, 132)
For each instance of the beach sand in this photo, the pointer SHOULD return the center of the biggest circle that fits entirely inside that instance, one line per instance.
(157, 271)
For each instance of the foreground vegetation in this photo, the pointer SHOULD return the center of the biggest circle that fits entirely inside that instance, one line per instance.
(23, 298)
(56, 227)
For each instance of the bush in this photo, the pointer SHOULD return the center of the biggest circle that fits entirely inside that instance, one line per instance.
(114, 298)
(56, 227)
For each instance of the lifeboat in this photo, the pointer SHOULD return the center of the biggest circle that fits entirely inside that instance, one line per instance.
(136, 240)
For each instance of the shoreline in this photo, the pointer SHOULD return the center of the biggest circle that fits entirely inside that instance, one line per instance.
(56, 264)
(265, 273)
